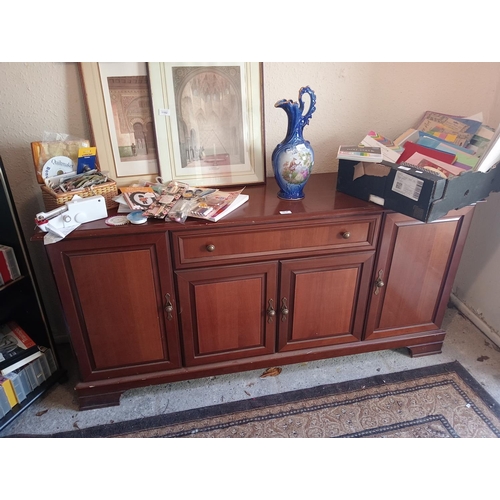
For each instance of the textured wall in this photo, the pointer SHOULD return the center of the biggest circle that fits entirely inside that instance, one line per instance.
(352, 98)
(36, 98)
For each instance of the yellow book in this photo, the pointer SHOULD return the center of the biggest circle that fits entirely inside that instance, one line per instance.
(9, 391)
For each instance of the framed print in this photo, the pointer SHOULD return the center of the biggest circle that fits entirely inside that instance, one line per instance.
(118, 100)
(208, 122)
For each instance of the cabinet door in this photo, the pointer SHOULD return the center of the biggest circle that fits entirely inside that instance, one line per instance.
(116, 294)
(323, 300)
(224, 312)
(414, 273)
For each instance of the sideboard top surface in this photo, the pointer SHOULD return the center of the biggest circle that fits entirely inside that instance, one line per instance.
(321, 200)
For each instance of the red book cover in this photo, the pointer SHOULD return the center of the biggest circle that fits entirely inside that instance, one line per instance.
(22, 337)
(410, 148)
(4, 269)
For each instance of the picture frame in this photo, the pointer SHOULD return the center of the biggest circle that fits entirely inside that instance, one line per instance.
(118, 103)
(209, 122)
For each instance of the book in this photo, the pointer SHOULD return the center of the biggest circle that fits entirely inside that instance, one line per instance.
(451, 128)
(360, 153)
(390, 150)
(30, 375)
(408, 135)
(4, 402)
(465, 159)
(217, 205)
(15, 345)
(9, 391)
(45, 366)
(49, 355)
(434, 166)
(480, 141)
(492, 154)
(411, 147)
(35, 371)
(20, 384)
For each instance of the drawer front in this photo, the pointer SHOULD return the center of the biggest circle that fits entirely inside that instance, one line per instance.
(249, 243)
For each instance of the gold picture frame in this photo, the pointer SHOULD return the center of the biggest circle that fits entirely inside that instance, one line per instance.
(118, 102)
(209, 122)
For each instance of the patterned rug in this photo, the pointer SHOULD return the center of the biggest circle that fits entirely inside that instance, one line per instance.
(442, 401)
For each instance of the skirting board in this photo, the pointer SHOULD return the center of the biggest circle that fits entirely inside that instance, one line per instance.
(474, 319)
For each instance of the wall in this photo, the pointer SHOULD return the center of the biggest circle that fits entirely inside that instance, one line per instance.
(352, 98)
(476, 291)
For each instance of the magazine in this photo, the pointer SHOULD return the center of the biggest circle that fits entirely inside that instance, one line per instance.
(207, 204)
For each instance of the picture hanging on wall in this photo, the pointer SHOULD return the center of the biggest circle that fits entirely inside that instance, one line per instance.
(208, 122)
(118, 100)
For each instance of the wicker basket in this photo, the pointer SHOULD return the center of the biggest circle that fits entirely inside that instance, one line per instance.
(54, 200)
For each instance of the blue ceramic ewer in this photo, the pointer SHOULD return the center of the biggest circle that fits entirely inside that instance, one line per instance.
(293, 158)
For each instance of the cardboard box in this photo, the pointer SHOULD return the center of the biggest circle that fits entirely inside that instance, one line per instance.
(414, 192)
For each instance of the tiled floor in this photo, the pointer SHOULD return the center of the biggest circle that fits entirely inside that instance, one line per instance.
(57, 410)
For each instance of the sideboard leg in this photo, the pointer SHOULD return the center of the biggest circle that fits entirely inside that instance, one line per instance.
(425, 349)
(89, 402)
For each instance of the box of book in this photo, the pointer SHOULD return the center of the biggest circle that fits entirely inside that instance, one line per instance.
(417, 192)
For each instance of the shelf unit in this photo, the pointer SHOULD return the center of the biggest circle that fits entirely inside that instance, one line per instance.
(20, 299)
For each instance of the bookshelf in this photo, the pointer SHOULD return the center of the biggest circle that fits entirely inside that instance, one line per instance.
(20, 299)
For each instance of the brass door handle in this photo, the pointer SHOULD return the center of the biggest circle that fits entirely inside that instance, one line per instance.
(346, 235)
(379, 283)
(169, 308)
(210, 248)
(271, 313)
(284, 309)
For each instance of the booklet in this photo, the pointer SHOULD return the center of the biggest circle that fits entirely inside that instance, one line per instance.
(207, 204)
(218, 205)
(360, 153)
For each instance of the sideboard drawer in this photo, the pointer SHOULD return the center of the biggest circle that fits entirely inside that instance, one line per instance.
(214, 245)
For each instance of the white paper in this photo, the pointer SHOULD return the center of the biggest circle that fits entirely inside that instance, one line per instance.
(55, 234)
(387, 153)
(492, 155)
(407, 185)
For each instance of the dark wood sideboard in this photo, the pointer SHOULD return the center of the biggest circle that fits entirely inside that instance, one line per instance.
(275, 282)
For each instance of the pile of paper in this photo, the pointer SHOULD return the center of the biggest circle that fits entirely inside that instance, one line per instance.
(443, 144)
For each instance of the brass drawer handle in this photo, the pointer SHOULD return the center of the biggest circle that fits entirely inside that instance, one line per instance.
(346, 235)
(210, 248)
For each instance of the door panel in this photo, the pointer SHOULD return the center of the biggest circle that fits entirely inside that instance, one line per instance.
(416, 265)
(325, 299)
(223, 312)
(126, 336)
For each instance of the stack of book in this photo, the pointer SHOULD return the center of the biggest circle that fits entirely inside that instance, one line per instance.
(24, 366)
(360, 153)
